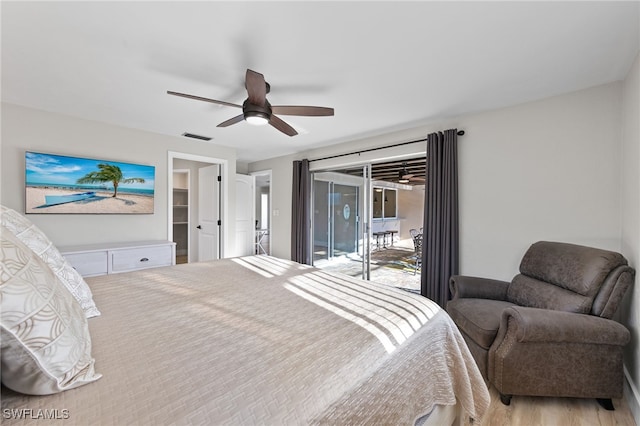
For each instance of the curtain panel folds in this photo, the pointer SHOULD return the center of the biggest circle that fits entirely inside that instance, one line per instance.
(301, 213)
(440, 249)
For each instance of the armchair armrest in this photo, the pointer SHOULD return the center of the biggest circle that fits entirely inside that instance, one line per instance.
(463, 286)
(556, 353)
(549, 326)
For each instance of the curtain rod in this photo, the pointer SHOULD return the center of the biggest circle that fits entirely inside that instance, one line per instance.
(459, 133)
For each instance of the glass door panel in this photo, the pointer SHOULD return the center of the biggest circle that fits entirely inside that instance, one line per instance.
(320, 220)
(344, 207)
(341, 220)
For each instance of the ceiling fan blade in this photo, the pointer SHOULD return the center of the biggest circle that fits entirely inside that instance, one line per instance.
(417, 179)
(234, 120)
(310, 111)
(200, 98)
(282, 126)
(256, 87)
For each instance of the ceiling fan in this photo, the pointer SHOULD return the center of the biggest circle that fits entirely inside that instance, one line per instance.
(257, 110)
(406, 177)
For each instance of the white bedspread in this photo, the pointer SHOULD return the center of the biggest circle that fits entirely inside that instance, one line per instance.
(260, 340)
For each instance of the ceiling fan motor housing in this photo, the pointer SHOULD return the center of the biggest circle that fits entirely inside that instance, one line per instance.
(251, 110)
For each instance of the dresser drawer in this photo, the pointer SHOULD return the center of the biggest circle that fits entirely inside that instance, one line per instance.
(90, 263)
(140, 258)
(109, 258)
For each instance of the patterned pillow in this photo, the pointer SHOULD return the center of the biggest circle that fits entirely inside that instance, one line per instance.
(45, 345)
(37, 241)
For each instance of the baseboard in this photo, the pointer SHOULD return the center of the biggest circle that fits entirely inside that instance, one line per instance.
(632, 396)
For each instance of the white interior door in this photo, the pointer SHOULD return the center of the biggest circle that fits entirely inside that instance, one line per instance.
(245, 215)
(208, 213)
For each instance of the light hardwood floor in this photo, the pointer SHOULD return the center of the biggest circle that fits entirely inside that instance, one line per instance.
(534, 411)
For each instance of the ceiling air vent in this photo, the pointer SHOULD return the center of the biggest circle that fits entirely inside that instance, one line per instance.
(194, 136)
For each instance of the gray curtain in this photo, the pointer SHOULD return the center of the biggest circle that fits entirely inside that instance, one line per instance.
(440, 258)
(301, 213)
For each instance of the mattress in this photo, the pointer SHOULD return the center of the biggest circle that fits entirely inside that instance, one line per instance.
(261, 340)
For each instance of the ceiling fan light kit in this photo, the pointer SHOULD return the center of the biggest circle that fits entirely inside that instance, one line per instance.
(256, 118)
(255, 114)
(257, 110)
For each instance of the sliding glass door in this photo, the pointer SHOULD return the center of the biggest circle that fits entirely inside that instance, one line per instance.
(341, 220)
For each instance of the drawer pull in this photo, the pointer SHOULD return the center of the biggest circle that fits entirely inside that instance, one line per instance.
(144, 259)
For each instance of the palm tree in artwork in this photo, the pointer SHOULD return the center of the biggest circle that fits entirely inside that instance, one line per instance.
(108, 173)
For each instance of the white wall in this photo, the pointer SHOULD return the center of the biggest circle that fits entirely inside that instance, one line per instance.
(411, 210)
(630, 235)
(40, 131)
(546, 170)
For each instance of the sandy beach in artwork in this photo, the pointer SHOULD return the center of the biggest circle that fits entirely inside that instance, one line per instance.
(102, 202)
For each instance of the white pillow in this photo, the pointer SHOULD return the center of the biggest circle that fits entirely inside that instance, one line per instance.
(37, 241)
(45, 345)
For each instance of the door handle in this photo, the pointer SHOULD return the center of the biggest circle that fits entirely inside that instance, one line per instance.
(199, 227)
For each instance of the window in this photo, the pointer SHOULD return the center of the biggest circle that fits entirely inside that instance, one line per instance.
(384, 203)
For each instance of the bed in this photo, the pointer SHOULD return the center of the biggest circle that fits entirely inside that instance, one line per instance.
(262, 340)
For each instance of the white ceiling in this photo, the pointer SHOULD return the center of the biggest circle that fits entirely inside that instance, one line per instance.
(383, 66)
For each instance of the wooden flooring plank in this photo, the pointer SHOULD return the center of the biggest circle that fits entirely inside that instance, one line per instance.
(543, 411)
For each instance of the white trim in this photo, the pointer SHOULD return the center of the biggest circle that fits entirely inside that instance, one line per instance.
(633, 396)
(224, 231)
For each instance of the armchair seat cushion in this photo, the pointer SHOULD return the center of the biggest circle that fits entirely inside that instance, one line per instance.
(478, 318)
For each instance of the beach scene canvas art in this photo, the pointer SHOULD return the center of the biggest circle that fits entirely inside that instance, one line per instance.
(63, 184)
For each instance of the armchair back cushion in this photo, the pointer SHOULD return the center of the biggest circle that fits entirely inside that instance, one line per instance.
(613, 290)
(564, 277)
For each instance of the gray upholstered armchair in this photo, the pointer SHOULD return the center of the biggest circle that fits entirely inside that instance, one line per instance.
(549, 331)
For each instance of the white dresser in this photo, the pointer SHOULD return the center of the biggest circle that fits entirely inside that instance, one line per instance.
(112, 258)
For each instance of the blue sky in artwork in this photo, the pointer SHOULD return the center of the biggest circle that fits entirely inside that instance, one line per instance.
(53, 170)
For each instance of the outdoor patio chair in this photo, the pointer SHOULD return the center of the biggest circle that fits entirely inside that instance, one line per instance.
(417, 247)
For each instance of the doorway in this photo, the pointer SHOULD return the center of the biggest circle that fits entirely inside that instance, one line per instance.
(263, 196)
(181, 213)
(245, 215)
(341, 231)
(394, 206)
(202, 229)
